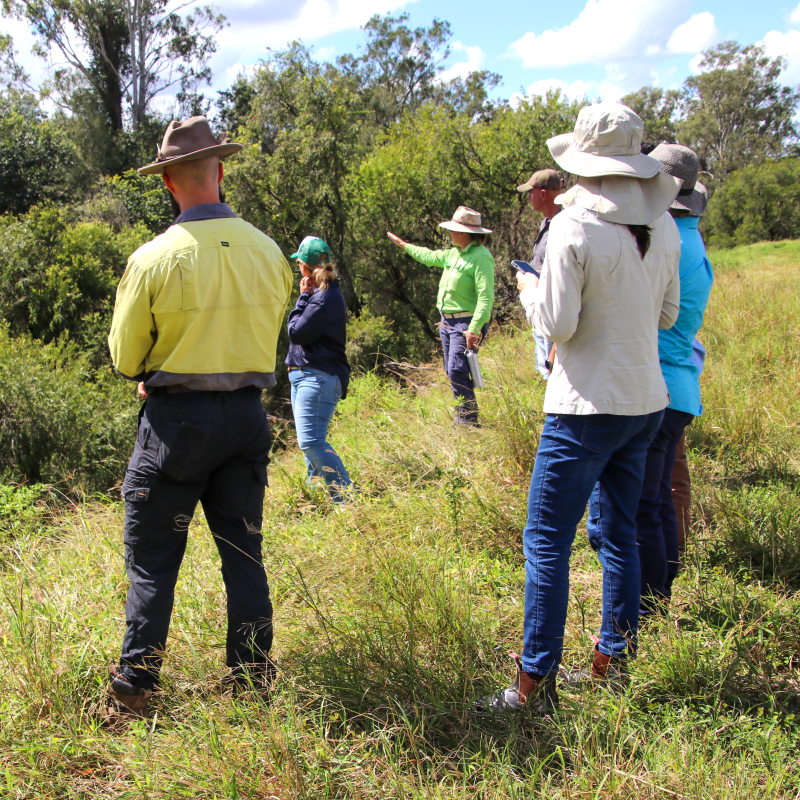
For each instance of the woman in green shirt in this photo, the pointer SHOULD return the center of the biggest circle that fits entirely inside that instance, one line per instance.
(466, 296)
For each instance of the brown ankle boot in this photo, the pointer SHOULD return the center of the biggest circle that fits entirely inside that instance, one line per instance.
(604, 668)
(527, 691)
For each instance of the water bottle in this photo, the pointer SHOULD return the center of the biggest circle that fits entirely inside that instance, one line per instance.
(474, 369)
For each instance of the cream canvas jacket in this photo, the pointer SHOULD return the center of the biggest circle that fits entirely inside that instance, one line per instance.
(603, 305)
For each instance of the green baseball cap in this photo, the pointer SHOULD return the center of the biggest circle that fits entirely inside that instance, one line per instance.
(311, 250)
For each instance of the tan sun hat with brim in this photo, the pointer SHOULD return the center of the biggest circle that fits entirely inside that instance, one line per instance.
(683, 162)
(466, 220)
(607, 140)
(189, 140)
(626, 201)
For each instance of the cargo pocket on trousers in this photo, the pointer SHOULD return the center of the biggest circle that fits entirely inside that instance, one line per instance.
(255, 500)
(183, 449)
(137, 509)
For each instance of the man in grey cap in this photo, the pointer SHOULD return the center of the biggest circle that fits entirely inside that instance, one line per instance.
(543, 188)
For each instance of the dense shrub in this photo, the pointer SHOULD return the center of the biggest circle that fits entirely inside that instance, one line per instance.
(59, 276)
(59, 419)
(121, 201)
(756, 204)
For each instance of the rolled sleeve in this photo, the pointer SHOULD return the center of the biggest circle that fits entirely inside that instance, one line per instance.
(671, 305)
(133, 328)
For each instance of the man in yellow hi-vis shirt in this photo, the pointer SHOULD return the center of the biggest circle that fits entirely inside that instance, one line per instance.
(196, 321)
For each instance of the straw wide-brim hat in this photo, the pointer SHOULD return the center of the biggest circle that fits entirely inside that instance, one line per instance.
(607, 140)
(683, 163)
(189, 140)
(466, 220)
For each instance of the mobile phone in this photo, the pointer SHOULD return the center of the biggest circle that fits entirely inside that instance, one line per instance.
(524, 266)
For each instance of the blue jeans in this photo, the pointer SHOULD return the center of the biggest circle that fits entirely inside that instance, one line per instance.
(315, 395)
(597, 458)
(656, 520)
(454, 352)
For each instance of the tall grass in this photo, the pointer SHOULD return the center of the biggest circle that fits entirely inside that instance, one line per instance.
(392, 615)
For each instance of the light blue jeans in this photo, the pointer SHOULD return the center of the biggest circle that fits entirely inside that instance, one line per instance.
(315, 395)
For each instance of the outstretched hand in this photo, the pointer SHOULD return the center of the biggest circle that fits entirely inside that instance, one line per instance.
(396, 239)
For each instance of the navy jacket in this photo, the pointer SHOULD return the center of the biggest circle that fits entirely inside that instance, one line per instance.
(318, 333)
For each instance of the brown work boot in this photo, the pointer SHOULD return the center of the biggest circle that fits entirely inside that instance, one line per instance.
(123, 702)
(606, 669)
(534, 692)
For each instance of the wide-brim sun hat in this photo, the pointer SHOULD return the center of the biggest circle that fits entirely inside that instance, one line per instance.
(465, 220)
(683, 162)
(626, 201)
(189, 140)
(607, 140)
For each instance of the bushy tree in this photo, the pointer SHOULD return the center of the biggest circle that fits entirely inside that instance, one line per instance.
(659, 109)
(58, 276)
(35, 158)
(737, 112)
(758, 203)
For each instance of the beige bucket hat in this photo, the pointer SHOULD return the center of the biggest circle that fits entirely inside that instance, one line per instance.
(466, 220)
(189, 140)
(607, 140)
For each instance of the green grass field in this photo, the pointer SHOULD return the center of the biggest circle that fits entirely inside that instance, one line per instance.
(390, 617)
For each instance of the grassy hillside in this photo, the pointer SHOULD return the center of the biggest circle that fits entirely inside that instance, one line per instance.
(391, 616)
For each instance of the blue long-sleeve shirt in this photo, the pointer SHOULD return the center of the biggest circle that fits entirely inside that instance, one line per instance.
(675, 351)
(318, 333)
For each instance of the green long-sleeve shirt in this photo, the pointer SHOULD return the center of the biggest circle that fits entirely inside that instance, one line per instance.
(467, 282)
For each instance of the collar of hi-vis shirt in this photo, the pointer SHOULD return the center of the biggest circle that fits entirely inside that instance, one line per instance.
(204, 211)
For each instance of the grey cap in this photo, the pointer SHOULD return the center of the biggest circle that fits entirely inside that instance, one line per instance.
(682, 162)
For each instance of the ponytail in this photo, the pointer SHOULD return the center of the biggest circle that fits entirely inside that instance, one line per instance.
(324, 274)
(642, 235)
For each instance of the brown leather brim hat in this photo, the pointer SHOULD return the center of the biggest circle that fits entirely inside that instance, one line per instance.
(189, 140)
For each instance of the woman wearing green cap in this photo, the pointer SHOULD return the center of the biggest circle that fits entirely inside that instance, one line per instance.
(466, 296)
(318, 368)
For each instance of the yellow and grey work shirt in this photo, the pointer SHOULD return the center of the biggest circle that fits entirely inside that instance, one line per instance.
(201, 306)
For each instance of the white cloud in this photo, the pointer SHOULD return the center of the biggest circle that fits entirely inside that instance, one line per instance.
(795, 16)
(787, 45)
(606, 31)
(694, 64)
(613, 86)
(474, 62)
(256, 25)
(699, 32)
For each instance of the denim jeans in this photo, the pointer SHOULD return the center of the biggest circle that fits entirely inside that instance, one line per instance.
(315, 395)
(656, 520)
(454, 351)
(597, 458)
(212, 448)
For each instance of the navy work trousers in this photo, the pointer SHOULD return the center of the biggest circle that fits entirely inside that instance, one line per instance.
(211, 447)
(656, 520)
(454, 350)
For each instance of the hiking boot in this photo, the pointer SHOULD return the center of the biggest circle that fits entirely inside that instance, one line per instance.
(533, 692)
(605, 669)
(123, 701)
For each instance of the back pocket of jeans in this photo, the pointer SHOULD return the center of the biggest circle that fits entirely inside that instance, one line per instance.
(604, 432)
(183, 451)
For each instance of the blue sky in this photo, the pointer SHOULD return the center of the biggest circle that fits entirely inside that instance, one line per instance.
(599, 48)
